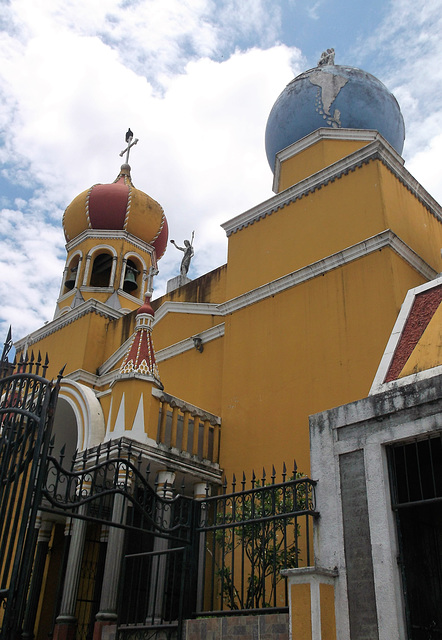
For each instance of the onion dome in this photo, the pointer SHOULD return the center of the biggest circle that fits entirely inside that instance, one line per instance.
(140, 357)
(336, 97)
(118, 206)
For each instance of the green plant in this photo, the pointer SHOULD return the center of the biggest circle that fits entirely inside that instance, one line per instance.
(257, 537)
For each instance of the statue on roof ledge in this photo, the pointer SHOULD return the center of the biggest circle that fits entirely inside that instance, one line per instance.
(188, 254)
(327, 58)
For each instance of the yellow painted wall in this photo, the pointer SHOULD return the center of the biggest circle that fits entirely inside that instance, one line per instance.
(309, 348)
(196, 377)
(337, 216)
(410, 220)
(175, 327)
(300, 608)
(316, 157)
(210, 287)
(355, 207)
(79, 345)
(328, 621)
(428, 351)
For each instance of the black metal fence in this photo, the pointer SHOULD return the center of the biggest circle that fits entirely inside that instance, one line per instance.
(27, 402)
(247, 537)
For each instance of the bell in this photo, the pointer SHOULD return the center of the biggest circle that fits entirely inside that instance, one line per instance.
(70, 282)
(130, 281)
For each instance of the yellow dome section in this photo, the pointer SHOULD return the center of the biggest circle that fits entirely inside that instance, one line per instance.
(145, 216)
(75, 218)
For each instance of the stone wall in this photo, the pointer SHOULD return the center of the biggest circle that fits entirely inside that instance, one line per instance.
(273, 626)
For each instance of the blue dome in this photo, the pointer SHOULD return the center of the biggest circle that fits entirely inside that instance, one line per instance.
(337, 97)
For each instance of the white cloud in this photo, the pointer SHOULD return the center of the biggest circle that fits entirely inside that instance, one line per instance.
(70, 100)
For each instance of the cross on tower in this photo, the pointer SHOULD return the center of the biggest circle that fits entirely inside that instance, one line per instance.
(130, 143)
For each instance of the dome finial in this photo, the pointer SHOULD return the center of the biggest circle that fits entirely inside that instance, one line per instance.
(130, 143)
(327, 58)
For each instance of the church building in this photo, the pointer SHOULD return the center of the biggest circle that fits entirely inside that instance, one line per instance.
(318, 341)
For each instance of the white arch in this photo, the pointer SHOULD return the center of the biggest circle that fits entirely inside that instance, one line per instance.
(88, 413)
(90, 256)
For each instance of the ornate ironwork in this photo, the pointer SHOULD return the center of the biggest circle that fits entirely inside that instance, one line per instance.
(248, 537)
(27, 401)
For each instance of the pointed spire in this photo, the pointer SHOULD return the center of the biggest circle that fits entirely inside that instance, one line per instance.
(140, 357)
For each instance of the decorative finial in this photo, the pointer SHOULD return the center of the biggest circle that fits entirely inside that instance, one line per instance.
(327, 58)
(130, 143)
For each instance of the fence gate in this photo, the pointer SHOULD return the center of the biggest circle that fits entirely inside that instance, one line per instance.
(27, 401)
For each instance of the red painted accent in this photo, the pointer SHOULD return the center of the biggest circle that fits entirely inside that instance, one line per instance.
(160, 243)
(65, 631)
(98, 629)
(108, 204)
(424, 307)
(146, 308)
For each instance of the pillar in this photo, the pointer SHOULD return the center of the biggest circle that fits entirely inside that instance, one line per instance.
(66, 622)
(312, 603)
(166, 480)
(44, 536)
(200, 491)
(107, 615)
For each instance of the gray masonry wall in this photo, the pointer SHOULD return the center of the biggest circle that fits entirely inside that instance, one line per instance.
(356, 532)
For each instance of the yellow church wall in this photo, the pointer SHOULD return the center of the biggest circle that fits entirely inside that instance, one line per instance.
(428, 351)
(175, 327)
(133, 389)
(310, 348)
(316, 157)
(79, 345)
(117, 332)
(324, 222)
(410, 220)
(210, 287)
(355, 207)
(196, 377)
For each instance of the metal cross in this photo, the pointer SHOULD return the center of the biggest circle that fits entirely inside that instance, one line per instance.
(130, 143)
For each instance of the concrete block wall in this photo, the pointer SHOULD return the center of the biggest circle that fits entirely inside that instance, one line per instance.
(273, 626)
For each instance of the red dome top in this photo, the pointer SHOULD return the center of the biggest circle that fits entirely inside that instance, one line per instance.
(118, 206)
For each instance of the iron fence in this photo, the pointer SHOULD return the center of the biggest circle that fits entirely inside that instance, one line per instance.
(247, 537)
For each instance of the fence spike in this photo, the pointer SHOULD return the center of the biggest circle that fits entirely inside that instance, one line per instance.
(253, 478)
(45, 365)
(233, 483)
(225, 485)
(295, 469)
(243, 481)
(183, 486)
(284, 471)
(147, 470)
(38, 363)
(273, 474)
(62, 454)
(263, 477)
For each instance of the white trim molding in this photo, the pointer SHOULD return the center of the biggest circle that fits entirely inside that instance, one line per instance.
(359, 135)
(376, 150)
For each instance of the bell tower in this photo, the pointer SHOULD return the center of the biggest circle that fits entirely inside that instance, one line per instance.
(114, 234)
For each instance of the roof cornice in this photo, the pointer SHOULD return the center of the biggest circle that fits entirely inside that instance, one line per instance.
(90, 306)
(376, 150)
(109, 234)
(359, 135)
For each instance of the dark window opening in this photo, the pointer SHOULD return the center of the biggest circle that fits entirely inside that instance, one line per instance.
(101, 271)
(416, 482)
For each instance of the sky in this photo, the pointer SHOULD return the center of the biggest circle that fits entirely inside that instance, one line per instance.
(195, 81)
